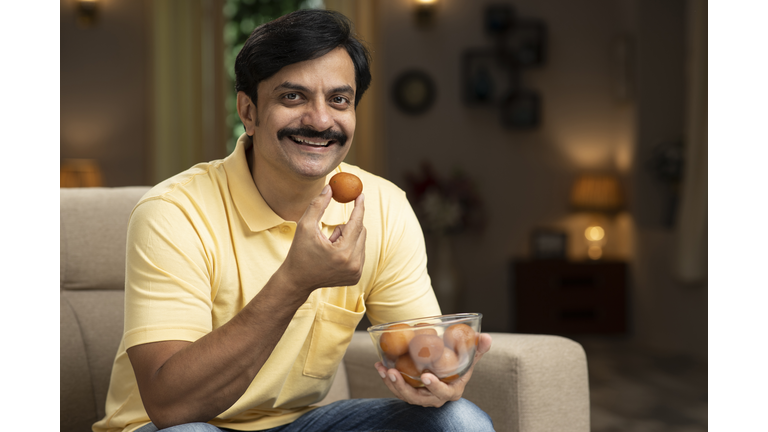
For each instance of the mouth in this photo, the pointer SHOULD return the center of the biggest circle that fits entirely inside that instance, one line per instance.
(311, 142)
(311, 138)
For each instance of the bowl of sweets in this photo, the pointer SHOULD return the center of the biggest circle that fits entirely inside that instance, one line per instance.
(442, 345)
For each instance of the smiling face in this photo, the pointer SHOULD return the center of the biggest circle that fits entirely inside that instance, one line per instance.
(304, 121)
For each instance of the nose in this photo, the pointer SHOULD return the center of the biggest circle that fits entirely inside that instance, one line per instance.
(317, 116)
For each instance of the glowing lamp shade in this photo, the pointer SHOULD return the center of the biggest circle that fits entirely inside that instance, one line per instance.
(597, 193)
(424, 12)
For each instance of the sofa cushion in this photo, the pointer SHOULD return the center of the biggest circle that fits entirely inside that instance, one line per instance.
(77, 404)
(100, 318)
(94, 223)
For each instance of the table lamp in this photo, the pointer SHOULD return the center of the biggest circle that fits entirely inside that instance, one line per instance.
(599, 194)
(80, 173)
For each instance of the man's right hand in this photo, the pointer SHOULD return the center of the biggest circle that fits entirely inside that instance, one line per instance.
(316, 261)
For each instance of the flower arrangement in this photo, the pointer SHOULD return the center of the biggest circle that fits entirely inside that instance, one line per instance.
(445, 206)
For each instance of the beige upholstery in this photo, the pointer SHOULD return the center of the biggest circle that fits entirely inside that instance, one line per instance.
(526, 383)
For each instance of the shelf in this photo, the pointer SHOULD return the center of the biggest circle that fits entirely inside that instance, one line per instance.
(568, 298)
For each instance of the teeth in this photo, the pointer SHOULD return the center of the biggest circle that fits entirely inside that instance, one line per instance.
(321, 144)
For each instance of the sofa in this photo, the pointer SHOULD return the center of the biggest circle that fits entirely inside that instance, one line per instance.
(526, 383)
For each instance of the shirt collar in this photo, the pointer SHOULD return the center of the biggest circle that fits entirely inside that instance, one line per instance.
(251, 205)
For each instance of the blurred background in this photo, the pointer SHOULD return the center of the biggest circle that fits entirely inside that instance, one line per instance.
(555, 152)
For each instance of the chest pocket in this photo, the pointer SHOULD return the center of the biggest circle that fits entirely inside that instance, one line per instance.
(331, 333)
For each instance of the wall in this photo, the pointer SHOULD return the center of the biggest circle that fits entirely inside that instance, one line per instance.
(670, 314)
(525, 177)
(588, 124)
(143, 89)
(103, 75)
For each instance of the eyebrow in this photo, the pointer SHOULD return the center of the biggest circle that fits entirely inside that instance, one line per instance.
(293, 86)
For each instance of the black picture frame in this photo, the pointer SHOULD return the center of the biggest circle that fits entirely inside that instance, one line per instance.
(486, 76)
(548, 244)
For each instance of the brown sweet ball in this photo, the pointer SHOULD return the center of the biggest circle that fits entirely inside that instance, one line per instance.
(413, 382)
(431, 331)
(446, 365)
(395, 343)
(406, 365)
(345, 187)
(449, 379)
(425, 349)
(460, 338)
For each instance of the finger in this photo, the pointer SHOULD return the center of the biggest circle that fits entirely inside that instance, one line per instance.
(354, 226)
(355, 222)
(441, 390)
(360, 243)
(483, 346)
(415, 396)
(336, 233)
(317, 206)
(389, 379)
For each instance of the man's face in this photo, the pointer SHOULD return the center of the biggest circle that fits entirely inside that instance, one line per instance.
(306, 116)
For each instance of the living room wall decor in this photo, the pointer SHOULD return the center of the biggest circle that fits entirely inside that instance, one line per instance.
(414, 91)
(492, 76)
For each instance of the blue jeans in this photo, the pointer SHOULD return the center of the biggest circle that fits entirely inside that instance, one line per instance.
(372, 415)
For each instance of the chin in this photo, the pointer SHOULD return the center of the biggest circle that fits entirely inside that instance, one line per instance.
(314, 172)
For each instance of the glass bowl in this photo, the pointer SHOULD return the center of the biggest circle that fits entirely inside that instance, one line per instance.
(443, 345)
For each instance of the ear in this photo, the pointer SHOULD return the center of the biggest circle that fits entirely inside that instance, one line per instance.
(246, 109)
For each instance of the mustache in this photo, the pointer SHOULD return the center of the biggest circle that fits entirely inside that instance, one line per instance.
(328, 134)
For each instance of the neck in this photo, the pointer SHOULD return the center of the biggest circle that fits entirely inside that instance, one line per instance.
(289, 196)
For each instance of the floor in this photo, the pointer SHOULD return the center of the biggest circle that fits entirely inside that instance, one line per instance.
(634, 390)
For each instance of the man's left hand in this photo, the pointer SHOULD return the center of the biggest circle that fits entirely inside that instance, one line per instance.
(436, 393)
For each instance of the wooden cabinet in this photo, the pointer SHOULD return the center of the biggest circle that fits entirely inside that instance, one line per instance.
(568, 298)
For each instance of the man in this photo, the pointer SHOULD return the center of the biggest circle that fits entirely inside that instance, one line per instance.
(245, 282)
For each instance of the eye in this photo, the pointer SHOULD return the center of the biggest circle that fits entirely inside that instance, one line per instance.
(291, 96)
(340, 100)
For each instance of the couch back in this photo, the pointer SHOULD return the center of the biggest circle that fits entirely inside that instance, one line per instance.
(93, 222)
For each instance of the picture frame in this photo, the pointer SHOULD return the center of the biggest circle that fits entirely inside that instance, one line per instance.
(548, 244)
(486, 76)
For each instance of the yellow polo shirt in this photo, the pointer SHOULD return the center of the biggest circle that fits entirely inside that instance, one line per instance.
(203, 243)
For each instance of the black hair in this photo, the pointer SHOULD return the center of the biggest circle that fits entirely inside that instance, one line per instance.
(295, 37)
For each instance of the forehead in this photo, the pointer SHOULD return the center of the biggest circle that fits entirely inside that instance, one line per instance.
(332, 70)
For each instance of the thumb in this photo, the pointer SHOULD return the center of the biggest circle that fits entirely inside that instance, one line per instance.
(317, 206)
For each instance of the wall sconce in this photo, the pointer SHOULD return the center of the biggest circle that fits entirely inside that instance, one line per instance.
(424, 12)
(80, 173)
(600, 194)
(87, 12)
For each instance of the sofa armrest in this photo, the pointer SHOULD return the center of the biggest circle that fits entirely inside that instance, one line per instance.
(526, 383)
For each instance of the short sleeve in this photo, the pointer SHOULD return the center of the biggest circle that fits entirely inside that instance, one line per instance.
(167, 287)
(402, 287)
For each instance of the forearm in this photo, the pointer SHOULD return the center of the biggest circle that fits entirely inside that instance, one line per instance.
(203, 379)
